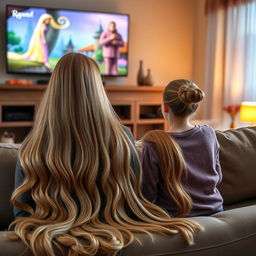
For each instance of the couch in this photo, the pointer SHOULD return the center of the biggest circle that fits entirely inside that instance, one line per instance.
(228, 233)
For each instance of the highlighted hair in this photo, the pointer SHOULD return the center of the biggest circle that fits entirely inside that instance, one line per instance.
(172, 166)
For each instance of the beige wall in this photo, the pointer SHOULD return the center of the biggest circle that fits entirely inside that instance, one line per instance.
(199, 51)
(163, 33)
(199, 43)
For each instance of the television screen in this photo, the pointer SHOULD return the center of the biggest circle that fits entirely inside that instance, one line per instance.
(36, 38)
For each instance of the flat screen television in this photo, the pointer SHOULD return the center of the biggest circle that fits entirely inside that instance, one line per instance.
(36, 38)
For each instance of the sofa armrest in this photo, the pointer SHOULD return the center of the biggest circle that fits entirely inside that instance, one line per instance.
(8, 158)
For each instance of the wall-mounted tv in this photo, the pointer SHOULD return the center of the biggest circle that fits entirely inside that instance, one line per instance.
(36, 38)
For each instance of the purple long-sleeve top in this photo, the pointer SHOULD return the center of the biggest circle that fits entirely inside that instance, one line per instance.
(110, 49)
(200, 149)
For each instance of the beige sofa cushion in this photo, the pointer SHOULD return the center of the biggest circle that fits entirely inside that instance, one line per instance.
(229, 233)
(238, 163)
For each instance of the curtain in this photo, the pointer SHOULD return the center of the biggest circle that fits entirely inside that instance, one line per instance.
(231, 58)
(215, 5)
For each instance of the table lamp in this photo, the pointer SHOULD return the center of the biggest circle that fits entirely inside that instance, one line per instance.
(248, 112)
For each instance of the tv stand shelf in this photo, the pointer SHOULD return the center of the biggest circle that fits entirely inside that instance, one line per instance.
(137, 107)
(19, 87)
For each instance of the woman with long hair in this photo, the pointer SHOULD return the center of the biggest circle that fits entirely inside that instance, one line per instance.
(76, 182)
(181, 168)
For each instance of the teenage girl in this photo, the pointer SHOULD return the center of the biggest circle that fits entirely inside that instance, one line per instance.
(185, 158)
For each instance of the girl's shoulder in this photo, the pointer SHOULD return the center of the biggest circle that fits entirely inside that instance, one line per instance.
(206, 128)
(209, 134)
(196, 132)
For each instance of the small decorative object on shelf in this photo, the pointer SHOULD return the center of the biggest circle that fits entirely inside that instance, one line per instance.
(140, 74)
(7, 137)
(18, 82)
(148, 79)
(144, 80)
(232, 110)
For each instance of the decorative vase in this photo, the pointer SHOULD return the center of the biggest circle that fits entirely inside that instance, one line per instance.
(140, 74)
(148, 80)
(232, 110)
(233, 123)
(7, 137)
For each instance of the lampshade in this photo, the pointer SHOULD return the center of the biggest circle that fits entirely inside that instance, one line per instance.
(248, 112)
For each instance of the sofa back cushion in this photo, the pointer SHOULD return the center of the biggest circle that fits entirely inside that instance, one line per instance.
(8, 158)
(238, 163)
(237, 158)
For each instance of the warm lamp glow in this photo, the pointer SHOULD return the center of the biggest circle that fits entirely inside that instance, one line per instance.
(248, 112)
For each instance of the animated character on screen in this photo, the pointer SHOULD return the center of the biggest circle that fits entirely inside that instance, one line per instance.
(38, 49)
(111, 40)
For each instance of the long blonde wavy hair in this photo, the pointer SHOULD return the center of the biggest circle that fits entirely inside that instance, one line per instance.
(77, 167)
(173, 168)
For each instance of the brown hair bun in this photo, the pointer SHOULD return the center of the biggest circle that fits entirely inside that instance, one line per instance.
(189, 95)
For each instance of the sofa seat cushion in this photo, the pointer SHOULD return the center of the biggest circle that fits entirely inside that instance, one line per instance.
(227, 233)
(238, 163)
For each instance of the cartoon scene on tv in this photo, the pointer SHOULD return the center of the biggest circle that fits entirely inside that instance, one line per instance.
(37, 38)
